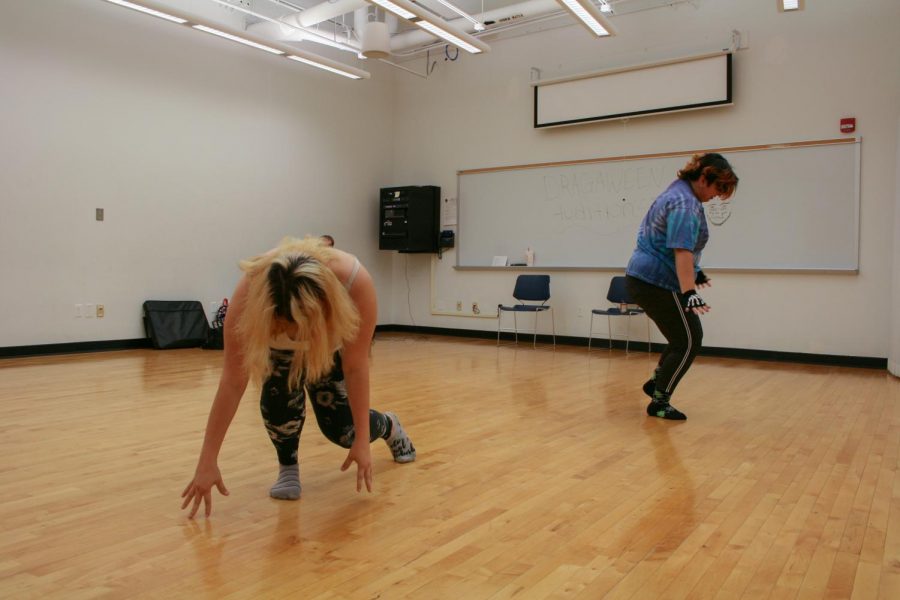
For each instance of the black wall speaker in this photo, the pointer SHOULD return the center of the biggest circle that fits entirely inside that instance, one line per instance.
(410, 218)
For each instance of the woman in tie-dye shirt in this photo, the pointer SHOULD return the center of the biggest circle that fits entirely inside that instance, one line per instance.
(664, 272)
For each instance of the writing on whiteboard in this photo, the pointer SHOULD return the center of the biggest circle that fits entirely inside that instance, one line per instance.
(602, 200)
(598, 183)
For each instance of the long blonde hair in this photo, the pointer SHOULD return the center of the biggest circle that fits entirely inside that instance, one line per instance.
(293, 284)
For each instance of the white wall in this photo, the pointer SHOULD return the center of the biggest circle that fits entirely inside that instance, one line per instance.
(801, 73)
(894, 355)
(201, 152)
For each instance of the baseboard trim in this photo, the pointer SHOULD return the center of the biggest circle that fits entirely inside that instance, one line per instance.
(73, 348)
(865, 362)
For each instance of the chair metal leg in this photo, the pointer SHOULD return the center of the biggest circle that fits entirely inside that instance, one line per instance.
(499, 319)
(516, 327)
(534, 340)
(553, 326)
(627, 332)
(609, 328)
(591, 333)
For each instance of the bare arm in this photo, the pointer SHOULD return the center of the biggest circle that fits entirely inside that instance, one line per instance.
(232, 384)
(684, 268)
(355, 357)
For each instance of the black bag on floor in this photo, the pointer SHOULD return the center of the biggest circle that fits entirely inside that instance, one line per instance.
(216, 338)
(175, 323)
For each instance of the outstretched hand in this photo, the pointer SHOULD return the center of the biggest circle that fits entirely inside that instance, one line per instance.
(693, 303)
(200, 489)
(360, 454)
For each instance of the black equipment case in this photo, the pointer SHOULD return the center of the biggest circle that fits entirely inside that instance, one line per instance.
(175, 323)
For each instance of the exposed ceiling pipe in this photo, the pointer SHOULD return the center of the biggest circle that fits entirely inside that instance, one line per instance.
(327, 10)
(297, 33)
(621, 7)
(413, 38)
(530, 8)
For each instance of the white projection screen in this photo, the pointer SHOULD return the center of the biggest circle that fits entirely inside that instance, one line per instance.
(686, 84)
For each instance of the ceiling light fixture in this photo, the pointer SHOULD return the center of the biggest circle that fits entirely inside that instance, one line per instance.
(433, 24)
(478, 25)
(149, 11)
(590, 17)
(446, 35)
(306, 61)
(238, 39)
(790, 5)
(605, 7)
(306, 35)
(397, 10)
(151, 7)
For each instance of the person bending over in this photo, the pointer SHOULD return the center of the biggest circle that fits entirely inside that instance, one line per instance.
(300, 319)
(664, 272)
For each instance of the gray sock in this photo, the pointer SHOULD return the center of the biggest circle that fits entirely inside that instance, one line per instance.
(288, 485)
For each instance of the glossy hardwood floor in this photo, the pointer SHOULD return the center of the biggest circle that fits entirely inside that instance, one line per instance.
(538, 476)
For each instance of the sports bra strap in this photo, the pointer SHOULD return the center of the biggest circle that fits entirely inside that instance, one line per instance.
(352, 275)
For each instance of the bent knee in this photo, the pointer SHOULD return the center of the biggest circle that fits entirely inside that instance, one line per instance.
(344, 439)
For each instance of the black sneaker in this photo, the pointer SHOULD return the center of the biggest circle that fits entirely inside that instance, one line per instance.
(664, 410)
(649, 387)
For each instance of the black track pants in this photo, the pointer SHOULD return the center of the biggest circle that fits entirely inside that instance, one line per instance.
(681, 329)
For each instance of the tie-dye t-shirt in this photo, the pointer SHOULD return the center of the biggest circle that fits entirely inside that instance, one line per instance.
(675, 220)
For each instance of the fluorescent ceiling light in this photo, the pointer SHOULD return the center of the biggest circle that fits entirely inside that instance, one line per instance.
(151, 7)
(237, 39)
(478, 25)
(433, 24)
(435, 30)
(397, 10)
(788, 5)
(149, 11)
(313, 63)
(588, 14)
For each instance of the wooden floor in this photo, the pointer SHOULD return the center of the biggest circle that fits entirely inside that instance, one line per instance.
(539, 476)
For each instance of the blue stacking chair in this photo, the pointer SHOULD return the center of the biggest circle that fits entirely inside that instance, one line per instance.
(625, 307)
(529, 288)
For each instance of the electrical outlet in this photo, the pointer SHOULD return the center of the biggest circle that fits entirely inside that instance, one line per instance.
(459, 306)
(79, 311)
(100, 311)
(89, 310)
(475, 309)
(580, 312)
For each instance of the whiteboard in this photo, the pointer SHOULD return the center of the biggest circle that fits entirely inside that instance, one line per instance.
(796, 208)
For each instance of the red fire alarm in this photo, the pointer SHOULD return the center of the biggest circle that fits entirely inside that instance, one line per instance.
(848, 125)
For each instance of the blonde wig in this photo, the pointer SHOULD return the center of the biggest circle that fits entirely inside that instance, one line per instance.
(293, 284)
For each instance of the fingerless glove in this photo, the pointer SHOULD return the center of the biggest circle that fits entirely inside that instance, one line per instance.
(691, 299)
